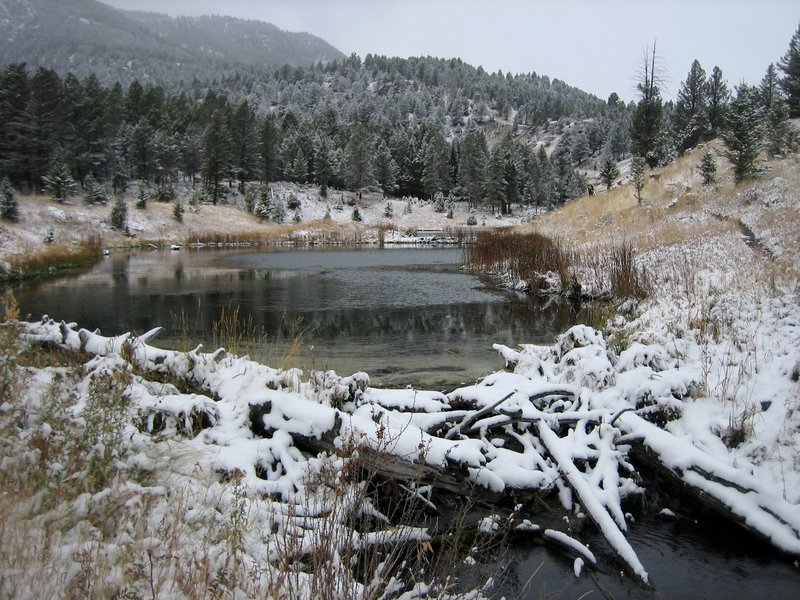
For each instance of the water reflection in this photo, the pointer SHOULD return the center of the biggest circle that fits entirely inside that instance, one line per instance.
(404, 316)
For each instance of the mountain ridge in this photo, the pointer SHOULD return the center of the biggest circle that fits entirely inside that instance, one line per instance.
(87, 36)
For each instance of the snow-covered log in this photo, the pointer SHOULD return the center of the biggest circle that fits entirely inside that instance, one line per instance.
(562, 423)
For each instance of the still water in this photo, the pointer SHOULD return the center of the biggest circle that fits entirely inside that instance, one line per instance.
(405, 316)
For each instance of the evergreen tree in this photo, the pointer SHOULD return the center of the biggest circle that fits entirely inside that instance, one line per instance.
(790, 65)
(708, 168)
(609, 172)
(9, 209)
(119, 183)
(93, 192)
(358, 172)
(44, 114)
(769, 90)
(718, 98)
(647, 124)
(268, 144)
(264, 207)
(242, 127)
(691, 113)
(565, 181)
(742, 133)
(323, 167)
(495, 181)
(119, 215)
(142, 197)
(638, 167)
(472, 166)
(435, 173)
(545, 190)
(385, 169)
(777, 128)
(297, 165)
(177, 210)
(58, 182)
(216, 152)
(14, 153)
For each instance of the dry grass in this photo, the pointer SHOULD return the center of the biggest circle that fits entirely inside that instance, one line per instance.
(46, 260)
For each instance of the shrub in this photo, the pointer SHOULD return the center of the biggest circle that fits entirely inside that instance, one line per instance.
(9, 208)
(119, 215)
(94, 192)
(177, 211)
(164, 193)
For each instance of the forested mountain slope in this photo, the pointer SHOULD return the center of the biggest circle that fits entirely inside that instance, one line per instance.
(85, 36)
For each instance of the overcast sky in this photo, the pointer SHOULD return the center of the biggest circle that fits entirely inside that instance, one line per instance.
(596, 45)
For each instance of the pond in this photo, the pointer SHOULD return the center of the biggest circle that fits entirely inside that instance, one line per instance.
(406, 317)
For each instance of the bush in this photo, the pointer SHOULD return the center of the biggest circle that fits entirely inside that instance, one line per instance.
(356, 215)
(119, 215)
(94, 192)
(9, 209)
(177, 211)
(164, 193)
(293, 203)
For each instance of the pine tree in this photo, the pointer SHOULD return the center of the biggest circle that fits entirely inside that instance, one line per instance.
(216, 153)
(142, 196)
(777, 128)
(44, 114)
(358, 159)
(264, 207)
(790, 65)
(323, 167)
(9, 209)
(177, 211)
(59, 182)
(495, 181)
(472, 166)
(743, 131)
(691, 113)
(243, 143)
(708, 168)
(119, 215)
(647, 124)
(94, 192)
(268, 144)
(385, 169)
(435, 173)
(14, 142)
(718, 98)
(609, 172)
(638, 166)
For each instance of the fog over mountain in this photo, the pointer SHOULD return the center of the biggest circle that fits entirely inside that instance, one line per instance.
(85, 36)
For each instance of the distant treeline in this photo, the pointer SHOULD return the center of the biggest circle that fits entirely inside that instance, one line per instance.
(409, 127)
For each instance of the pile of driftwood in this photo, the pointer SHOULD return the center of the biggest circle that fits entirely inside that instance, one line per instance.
(568, 420)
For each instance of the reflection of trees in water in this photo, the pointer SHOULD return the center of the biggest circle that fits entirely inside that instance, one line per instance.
(517, 320)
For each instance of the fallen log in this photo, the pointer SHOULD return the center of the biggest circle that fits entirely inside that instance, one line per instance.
(597, 513)
(734, 495)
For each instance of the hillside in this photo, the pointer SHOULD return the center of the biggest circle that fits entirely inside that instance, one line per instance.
(85, 36)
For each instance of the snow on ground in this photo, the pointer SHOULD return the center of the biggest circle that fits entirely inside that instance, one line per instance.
(76, 221)
(705, 373)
